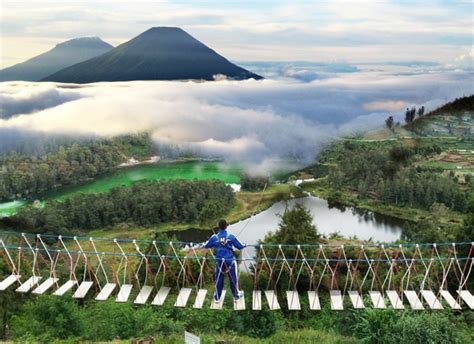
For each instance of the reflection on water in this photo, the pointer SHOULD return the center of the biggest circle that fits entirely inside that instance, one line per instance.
(347, 221)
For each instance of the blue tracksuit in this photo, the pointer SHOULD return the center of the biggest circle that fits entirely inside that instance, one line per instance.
(224, 243)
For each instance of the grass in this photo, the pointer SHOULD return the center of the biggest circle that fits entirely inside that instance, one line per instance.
(249, 203)
(306, 336)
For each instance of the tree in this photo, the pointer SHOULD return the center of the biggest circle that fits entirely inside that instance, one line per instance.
(410, 115)
(389, 122)
(296, 227)
(421, 111)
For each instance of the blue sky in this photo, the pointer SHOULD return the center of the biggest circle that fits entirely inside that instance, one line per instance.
(327, 31)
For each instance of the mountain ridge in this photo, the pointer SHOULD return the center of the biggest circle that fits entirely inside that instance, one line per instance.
(159, 53)
(63, 55)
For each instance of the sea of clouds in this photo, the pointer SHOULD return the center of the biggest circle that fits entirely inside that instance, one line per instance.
(291, 115)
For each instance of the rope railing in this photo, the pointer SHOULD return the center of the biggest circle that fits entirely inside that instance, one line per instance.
(428, 273)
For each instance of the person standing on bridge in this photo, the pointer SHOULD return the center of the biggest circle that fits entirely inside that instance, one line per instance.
(224, 244)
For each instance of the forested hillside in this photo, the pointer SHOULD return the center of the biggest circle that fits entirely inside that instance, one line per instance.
(147, 203)
(26, 176)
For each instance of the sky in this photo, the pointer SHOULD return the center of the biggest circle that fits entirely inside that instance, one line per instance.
(331, 68)
(325, 31)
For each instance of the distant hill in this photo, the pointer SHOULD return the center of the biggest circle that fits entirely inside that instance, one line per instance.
(61, 56)
(457, 105)
(161, 53)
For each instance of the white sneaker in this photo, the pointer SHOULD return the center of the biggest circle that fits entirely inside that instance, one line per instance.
(240, 295)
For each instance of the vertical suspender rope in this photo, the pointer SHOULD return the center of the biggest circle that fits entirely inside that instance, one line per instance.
(72, 267)
(15, 271)
(99, 259)
(33, 251)
(86, 261)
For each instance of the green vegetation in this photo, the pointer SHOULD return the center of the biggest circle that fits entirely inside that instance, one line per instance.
(28, 176)
(147, 203)
(254, 183)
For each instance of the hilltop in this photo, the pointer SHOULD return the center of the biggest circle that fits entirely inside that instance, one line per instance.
(63, 55)
(160, 53)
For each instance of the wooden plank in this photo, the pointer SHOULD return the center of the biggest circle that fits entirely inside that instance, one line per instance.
(467, 298)
(413, 300)
(257, 300)
(314, 304)
(356, 299)
(161, 296)
(336, 300)
(272, 300)
(431, 299)
(450, 299)
(83, 289)
(377, 299)
(124, 293)
(29, 284)
(293, 300)
(218, 304)
(183, 297)
(395, 300)
(106, 292)
(65, 288)
(9, 281)
(200, 298)
(43, 287)
(239, 305)
(143, 295)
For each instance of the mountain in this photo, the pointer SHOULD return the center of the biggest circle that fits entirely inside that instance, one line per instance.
(61, 56)
(160, 53)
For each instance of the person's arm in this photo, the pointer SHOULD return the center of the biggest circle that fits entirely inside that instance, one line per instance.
(211, 242)
(236, 242)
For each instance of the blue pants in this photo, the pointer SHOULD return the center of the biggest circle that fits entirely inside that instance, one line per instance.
(223, 268)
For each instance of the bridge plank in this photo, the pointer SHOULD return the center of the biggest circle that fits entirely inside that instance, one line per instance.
(257, 300)
(414, 300)
(218, 304)
(450, 299)
(105, 292)
(9, 281)
(293, 300)
(431, 299)
(200, 298)
(377, 299)
(161, 296)
(183, 297)
(314, 304)
(336, 300)
(143, 295)
(43, 287)
(124, 293)
(30, 283)
(467, 297)
(395, 299)
(83, 289)
(239, 305)
(356, 299)
(272, 300)
(65, 288)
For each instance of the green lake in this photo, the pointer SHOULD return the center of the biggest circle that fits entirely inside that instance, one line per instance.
(202, 170)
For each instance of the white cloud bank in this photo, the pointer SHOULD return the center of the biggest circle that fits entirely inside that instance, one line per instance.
(255, 121)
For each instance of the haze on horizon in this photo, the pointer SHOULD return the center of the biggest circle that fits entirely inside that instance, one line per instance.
(350, 31)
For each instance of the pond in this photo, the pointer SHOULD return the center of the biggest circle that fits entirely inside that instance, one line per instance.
(202, 170)
(347, 221)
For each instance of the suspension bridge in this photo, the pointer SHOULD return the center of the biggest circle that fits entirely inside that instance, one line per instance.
(402, 276)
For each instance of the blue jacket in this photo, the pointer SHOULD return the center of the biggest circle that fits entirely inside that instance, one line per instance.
(224, 243)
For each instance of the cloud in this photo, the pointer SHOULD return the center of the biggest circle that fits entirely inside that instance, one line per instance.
(465, 61)
(385, 105)
(24, 98)
(251, 121)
